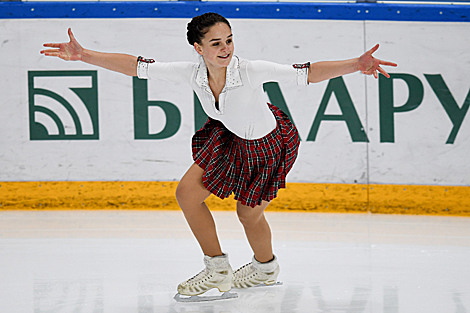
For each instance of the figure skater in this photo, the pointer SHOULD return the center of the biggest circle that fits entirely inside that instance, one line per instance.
(246, 147)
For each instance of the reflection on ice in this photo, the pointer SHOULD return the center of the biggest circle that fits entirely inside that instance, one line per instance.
(68, 295)
(87, 296)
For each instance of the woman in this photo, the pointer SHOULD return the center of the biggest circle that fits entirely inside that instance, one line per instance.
(247, 147)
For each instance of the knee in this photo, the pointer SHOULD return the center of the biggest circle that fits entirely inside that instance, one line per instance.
(247, 218)
(251, 217)
(182, 192)
(189, 194)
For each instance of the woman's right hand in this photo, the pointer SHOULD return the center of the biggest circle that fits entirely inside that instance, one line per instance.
(69, 51)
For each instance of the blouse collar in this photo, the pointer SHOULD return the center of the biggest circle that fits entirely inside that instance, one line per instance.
(232, 79)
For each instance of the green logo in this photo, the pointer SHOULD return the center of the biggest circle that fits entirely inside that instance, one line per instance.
(63, 105)
(144, 109)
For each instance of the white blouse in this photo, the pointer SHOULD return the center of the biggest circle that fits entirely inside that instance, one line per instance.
(242, 102)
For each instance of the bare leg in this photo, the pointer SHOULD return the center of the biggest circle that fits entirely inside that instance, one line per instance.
(257, 230)
(191, 195)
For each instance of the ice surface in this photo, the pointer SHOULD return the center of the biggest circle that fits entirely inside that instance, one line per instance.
(132, 261)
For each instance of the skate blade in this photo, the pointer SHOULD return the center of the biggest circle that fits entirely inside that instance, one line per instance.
(224, 296)
(278, 283)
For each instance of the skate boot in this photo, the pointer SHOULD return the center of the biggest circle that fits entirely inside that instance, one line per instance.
(255, 273)
(217, 274)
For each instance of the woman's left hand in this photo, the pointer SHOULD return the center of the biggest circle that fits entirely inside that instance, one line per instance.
(369, 65)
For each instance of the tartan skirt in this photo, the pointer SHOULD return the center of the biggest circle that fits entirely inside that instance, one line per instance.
(253, 170)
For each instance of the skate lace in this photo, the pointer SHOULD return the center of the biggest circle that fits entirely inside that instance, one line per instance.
(198, 277)
(244, 271)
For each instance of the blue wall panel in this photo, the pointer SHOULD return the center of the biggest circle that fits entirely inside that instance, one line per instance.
(256, 10)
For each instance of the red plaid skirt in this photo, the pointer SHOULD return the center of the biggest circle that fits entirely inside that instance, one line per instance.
(253, 170)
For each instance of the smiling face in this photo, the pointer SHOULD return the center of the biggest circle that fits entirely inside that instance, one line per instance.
(217, 46)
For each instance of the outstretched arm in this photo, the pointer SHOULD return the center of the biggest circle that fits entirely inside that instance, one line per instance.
(366, 63)
(73, 51)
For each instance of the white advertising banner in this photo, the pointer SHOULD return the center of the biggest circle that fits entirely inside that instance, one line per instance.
(72, 121)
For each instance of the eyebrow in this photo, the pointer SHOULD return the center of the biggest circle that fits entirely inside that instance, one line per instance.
(217, 39)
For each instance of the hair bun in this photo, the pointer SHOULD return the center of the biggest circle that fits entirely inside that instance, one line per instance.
(199, 26)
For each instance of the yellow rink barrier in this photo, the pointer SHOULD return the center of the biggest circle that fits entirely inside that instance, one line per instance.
(305, 197)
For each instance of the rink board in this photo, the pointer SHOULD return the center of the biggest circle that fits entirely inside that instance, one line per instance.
(299, 197)
(376, 141)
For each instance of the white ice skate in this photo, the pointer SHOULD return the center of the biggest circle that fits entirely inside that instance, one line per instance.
(217, 274)
(256, 274)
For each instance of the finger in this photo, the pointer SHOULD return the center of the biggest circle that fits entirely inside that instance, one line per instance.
(49, 51)
(373, 49)
(72, 38)
(388, 63)
(52, 54)
(381, 70)
(52, 45)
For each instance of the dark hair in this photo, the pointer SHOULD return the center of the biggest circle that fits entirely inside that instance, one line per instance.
(199, 26)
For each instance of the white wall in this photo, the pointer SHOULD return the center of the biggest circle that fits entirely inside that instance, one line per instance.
(418, 155)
